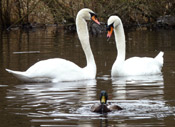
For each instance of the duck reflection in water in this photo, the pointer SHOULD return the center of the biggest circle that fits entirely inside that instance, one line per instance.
(103, 106)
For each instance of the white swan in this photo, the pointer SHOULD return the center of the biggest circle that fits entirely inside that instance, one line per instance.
(134, 65)
(57, 69)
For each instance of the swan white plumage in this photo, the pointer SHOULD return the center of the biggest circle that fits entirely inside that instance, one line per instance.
(135, 65)
(57, 69)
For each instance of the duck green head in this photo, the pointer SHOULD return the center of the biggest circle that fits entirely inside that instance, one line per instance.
(103, 97)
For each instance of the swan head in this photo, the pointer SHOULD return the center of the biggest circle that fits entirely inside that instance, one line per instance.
(88, 14)
(103, 97)
(112, 23)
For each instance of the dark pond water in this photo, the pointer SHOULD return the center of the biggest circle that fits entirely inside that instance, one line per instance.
(147, 100)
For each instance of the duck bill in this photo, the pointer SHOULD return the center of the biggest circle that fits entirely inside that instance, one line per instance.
(95, 20)
(110, 32)
(103, 100)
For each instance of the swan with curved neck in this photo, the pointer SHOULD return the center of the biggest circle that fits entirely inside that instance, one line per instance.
(135, 65)
(57, 69)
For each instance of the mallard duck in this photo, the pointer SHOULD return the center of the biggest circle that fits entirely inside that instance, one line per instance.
(103, 106)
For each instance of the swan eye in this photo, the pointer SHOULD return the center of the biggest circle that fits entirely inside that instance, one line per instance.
(108, 28)
(93, 14)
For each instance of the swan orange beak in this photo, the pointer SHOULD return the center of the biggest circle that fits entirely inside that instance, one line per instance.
(95, 19)
(110, 32)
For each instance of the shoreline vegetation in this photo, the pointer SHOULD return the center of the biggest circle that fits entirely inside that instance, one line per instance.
(140, 14)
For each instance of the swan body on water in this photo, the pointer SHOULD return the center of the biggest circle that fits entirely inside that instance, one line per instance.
(134, 65)
(57, 69)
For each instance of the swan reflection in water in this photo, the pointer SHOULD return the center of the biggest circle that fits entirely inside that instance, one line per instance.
(138, 86)
(140, 98)
(47, 99)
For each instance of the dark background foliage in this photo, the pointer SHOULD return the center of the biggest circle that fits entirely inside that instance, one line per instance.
(132, 12)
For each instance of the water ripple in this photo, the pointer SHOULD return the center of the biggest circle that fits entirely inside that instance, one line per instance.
(54, 102)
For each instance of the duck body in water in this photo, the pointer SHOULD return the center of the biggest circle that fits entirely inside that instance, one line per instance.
(103, 106)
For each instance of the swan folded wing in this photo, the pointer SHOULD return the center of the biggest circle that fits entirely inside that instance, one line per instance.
(51, 70)
(141, 66)
(56, 69)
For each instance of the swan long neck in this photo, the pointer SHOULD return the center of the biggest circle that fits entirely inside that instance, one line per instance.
(120, 42)
(83, 35)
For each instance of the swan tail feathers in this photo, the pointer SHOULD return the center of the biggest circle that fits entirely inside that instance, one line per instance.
(159, 58)
(20, 75)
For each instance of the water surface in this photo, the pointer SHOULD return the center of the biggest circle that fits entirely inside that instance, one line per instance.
(146, 100)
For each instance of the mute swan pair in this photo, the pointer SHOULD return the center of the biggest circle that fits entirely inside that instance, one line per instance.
(57, 69)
